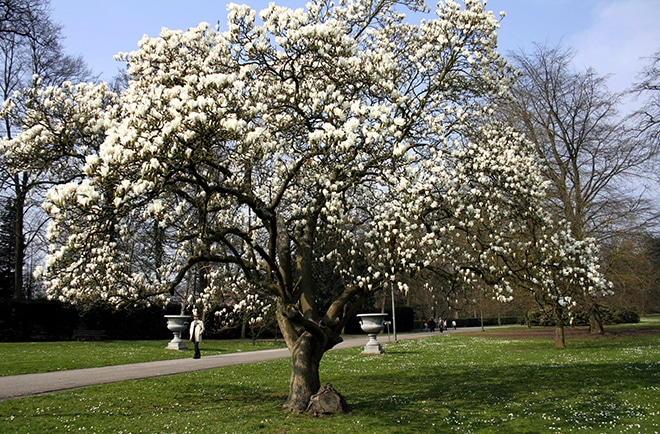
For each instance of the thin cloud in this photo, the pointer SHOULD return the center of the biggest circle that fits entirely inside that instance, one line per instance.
(621, 35)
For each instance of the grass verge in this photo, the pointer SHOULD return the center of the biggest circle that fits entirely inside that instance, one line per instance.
(31, 357)
(485, 383)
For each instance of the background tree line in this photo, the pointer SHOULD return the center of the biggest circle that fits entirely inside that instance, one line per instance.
(598, 161)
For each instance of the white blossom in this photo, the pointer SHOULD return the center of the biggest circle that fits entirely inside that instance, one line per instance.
(375, 150)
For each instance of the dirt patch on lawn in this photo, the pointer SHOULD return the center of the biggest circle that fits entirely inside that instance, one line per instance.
(549, 333)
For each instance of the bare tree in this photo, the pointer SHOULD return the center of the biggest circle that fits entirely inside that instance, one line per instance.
(30, 43)
(16, 15)
(648, 117)
(592, 158)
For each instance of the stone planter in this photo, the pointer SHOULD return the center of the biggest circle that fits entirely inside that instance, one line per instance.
(176, 324)
(372, 323)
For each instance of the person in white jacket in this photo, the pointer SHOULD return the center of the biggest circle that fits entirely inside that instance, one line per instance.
(196, 330)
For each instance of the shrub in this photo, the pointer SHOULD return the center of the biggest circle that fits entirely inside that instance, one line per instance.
(36, 320)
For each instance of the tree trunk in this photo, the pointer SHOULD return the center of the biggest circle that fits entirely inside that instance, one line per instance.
(595, 319)
(19, 240)
(560, 340)
(307, 350)
(305, 381)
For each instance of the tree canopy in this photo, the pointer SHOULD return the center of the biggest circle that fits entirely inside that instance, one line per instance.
(338, 137)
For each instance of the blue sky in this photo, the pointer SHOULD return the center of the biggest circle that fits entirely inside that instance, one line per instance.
(612, 36)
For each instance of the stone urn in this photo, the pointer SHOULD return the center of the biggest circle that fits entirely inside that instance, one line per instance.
(176, 324)
(372, 324)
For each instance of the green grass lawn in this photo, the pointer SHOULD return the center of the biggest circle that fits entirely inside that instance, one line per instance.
(31, 357)
(510, 381)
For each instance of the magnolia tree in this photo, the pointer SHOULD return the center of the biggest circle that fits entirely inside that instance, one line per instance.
(333, 143)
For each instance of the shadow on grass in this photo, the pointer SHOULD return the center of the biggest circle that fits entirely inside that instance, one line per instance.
(588, 395)
(399, 352)
(446, 396)
(464, 385)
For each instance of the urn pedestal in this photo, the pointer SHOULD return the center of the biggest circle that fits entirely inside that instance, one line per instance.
(176, 324)
(372, 323)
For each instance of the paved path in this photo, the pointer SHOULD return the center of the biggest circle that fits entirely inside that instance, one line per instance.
(18, 386)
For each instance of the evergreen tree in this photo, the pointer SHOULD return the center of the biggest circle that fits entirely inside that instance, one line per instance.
(7, 248)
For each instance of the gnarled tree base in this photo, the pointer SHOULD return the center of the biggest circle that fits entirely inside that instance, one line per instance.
(307, 341)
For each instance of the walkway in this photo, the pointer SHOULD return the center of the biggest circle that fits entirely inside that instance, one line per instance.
(18, 386)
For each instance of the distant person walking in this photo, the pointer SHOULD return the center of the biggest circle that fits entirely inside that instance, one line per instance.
(196, 330)
(453, 324)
